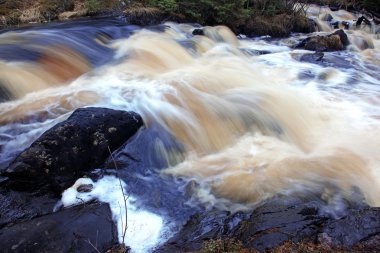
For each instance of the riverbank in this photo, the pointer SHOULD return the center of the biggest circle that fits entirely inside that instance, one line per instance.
(252, 18)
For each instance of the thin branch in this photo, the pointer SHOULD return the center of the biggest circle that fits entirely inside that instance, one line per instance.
(124, 232)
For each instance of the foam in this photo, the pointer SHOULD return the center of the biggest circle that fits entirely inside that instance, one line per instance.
(145, 230)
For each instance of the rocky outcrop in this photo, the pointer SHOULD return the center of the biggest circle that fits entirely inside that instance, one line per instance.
(333, 42)
(281, 221)
(70, 149)
(86, 228)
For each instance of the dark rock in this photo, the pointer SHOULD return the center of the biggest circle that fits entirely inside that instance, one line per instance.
(252, 52)
(87, 228)
(357, 226)
(334, 59)
(334, 24)
(343, 37)
(363, 19)
(312, 58)
(5, 94)
(21, 206)
(334, 7)
(333, 42)
(70, 149)
(370, 244)
(327, 17)
(140, 163)
(198, 32)
(281, 220)
(276, 222)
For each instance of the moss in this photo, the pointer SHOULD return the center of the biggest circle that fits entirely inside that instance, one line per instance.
(99, 6)
(226, 245)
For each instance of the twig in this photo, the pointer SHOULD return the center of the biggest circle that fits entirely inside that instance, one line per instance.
(124, 198)
(80, 237)
(92, 245)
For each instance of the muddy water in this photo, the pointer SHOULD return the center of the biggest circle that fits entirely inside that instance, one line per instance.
(246, 125)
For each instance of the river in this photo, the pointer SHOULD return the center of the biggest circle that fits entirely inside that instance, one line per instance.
(248, 118)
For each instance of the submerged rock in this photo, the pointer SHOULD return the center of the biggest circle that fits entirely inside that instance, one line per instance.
(198, 31)
(86, 228)
(70, 149)
(333, 42)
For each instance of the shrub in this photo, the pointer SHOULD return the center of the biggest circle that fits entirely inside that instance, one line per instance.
(213, 12)
(168, 6)
(373, 5)
(92, 6)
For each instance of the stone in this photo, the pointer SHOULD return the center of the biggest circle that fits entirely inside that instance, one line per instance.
(70, 149)
(334, 42)
(85, 228)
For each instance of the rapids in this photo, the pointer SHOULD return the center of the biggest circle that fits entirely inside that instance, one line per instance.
(250, 125)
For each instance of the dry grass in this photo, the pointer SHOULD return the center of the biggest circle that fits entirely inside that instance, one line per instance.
(277, 26)
(32, 14)
(226, 245)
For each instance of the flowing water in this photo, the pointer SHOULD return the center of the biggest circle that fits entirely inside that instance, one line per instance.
(251, 119)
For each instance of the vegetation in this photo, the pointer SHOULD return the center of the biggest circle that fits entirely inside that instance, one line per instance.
(252, 17)
(227, 245)
(373, 5)
(51, 8)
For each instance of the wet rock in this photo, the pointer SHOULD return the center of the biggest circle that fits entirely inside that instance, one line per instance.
(279, 221)
(357, 226)
(70, 149)
(276, 222)
(139, 163)
(5, 94)
(333, 42)
(312, 58)
(346, 25)
(198, 32)
(21, 206)
(327, 17)
(87, 228)
(363, 19)
(253, 52)
(334, 59)
(202, 227)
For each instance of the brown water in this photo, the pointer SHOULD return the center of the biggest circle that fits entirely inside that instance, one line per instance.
(252, 125)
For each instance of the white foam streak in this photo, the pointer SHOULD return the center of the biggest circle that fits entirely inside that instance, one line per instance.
(144, 231)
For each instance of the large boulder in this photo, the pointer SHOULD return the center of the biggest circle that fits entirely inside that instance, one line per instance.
(334, 42)
(70, 149)
(86, 228)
